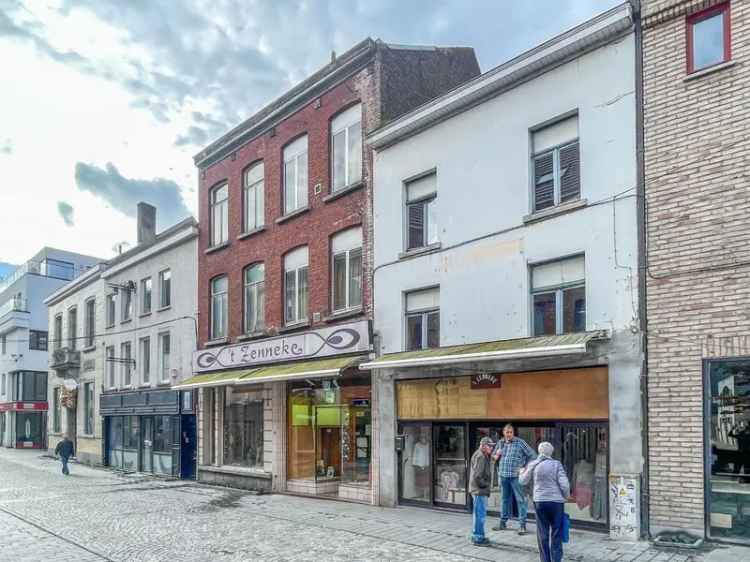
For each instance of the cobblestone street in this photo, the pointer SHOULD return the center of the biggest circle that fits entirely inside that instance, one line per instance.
(100, 515)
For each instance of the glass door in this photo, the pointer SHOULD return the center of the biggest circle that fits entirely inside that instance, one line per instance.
(451, 465)
(147, 445)
(415, 463)
(728, 458)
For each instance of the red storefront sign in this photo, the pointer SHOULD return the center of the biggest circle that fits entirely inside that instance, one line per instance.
(23, 406)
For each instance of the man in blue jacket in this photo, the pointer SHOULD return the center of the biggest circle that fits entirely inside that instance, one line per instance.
(65, 450)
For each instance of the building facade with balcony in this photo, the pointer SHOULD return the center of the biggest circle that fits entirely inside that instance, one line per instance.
(76, 364)
(148, 335)
(284, 269)
(506, 277)
(24, 343)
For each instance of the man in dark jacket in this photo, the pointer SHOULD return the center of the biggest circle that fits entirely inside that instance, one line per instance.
(65, 450)
(480, 480)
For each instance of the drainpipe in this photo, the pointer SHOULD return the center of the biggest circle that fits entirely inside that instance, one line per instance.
(642, 310)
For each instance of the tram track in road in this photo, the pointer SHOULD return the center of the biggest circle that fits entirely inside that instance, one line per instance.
(54, 534)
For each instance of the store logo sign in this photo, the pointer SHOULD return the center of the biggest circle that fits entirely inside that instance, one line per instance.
(486, 380)
(336, 340)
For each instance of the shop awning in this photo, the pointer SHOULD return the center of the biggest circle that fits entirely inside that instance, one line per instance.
(521, 348)
(318, 368)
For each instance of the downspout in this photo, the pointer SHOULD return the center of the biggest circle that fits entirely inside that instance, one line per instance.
(642, 309)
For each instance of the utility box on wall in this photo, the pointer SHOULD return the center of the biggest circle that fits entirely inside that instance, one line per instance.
(625, 507)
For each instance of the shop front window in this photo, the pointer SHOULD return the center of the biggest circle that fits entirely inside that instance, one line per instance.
(728, 499)
(330, 435)
(416, 463)
(130, 443)
(243, 428)
(166, 441)
(115, 442)
(29, 430)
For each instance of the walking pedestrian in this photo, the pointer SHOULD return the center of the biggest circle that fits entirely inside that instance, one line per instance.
(480, 480)
(65, 450)
(513, 453)
(551, 489)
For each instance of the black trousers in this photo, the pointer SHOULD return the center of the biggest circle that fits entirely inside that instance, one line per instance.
(549, 526)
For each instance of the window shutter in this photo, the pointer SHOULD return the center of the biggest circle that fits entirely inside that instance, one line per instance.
(423, 300)
(558, 273)
(544, 182)
(570, 173)
(347, 240)
(416, 225)
(296, 259)
(421, 187)
(556, 134)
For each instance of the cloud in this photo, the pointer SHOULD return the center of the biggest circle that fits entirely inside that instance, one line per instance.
(124, 194)
(66, 211)
(6, 147)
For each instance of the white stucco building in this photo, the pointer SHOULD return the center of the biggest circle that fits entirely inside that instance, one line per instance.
(506, 275)
(24, 343)
(143, 309)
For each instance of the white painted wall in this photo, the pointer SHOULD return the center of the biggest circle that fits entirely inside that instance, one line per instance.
(482, 157)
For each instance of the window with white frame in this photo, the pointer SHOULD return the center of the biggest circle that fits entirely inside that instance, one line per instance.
(219, 307)
(346, 259)
(110, 313)
(126, 305)
(295, 175)
(126, 354)
(144, 360)
(421, 218)
(165, 288)
(165, 345)
(110, 361)
(219, 199)
(253, 197)
(558, 291)
(90, 321)
(295, 285)
(255, 282)
(556, 164)
(146, 295)
(57, 332)
(422, 319)
(72, 328)
(346, 145)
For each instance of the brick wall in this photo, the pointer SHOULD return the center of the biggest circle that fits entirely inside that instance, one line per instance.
(698, 280)
(313, 228)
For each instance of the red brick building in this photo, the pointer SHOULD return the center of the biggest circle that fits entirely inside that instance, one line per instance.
(284, 273)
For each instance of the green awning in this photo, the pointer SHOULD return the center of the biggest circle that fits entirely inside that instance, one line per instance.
(542, 346)
(287, 371)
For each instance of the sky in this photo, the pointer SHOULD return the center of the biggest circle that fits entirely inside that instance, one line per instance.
(103, 103)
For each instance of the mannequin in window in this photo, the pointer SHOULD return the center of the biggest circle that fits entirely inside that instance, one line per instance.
(599, 500)
(420, 463)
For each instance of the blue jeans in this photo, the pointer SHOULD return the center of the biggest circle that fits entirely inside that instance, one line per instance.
(480, 515)
(549, 526)
(65, 465)
(512, 487)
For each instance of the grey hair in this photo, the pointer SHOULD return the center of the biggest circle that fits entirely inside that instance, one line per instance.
(545, 448)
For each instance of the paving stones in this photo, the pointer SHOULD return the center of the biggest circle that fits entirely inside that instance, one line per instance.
(101, 515)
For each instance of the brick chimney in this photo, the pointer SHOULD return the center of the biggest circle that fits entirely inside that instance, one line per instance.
(146, 223)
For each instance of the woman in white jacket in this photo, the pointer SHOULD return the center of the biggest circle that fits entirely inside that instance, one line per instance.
(551, 489)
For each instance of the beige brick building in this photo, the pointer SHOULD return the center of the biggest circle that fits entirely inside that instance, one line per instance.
(696, 139)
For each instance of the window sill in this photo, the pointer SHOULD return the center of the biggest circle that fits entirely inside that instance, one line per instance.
(212, 249)
(144, 314)
(420, 251)
(86, 435)
(344, 314)
(294, 327)
(249, 233)
(217, 341)
(555, 211)
(293, 214)
(109, 327)
(163, 308)
(710, 70)
(253, 336)
(343, 191)
(128, 321)
(88, 349)
(260, 473)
